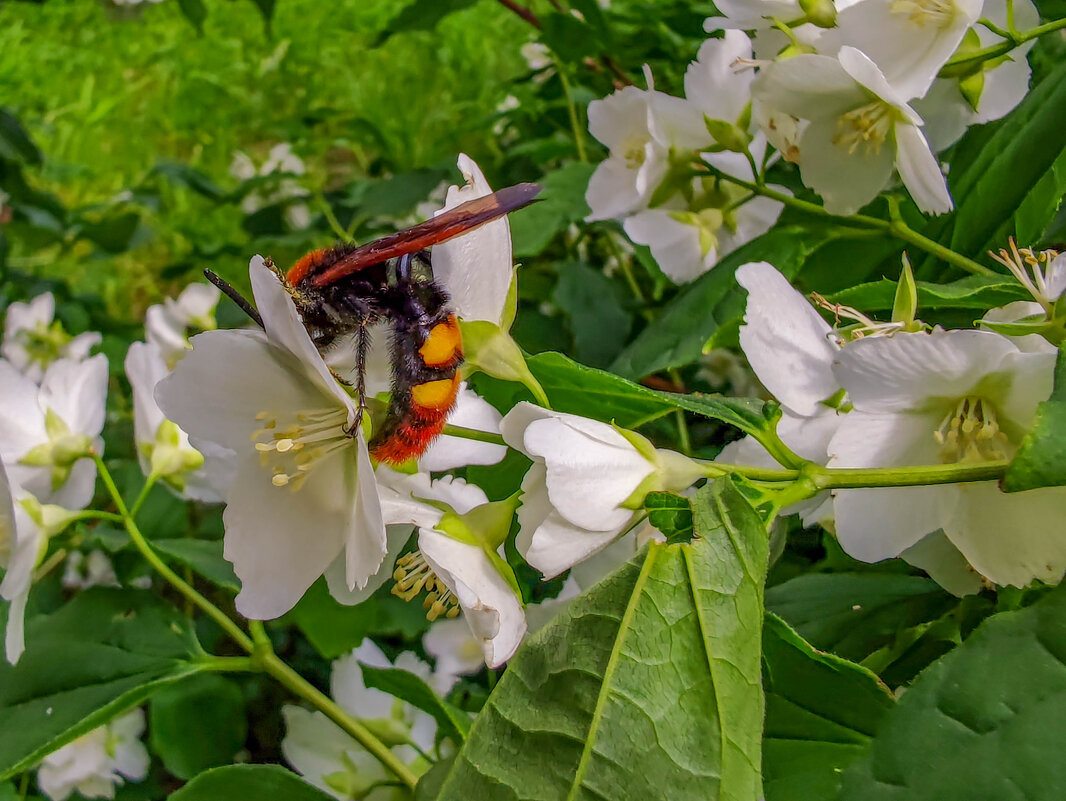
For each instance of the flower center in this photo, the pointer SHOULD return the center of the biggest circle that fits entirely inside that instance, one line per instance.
(412, 575)
(969, 433)
(865, 127)
(292, 444)
(934, 13)
(633, 152)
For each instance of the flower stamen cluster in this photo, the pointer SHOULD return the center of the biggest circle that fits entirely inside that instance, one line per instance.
(866, 326)
(412, 575)
(1031, 269)
(865, 127)
(293, 449)
(933, 13)
(970, 433)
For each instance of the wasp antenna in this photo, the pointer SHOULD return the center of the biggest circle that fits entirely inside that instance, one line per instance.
(235, 296)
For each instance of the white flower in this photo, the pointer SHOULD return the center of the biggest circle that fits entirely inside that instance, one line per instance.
(689, 238)
(537, 55)
(300, 466)
(1001, 86)
(715, 84)
(909, 40)
(46, 432)
(456, 650)
(96, 763)
(329, 758)
(476, 268)
(280, 159)
(33, 338)
(792, 351)
(163, 448)
(576, 496)
(21, 545)
(946, 397)
(167, 325)
(749, 15)
(859, 128)
(641, 127)
(84, 571)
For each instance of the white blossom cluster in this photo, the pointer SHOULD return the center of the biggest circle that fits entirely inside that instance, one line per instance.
(881, 396)
(280, 160)
(857, 93)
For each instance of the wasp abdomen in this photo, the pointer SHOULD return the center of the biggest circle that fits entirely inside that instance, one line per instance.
(425, 373)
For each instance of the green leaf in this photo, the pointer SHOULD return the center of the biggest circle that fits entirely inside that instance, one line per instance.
(249, 783)
(266, 10)
(204, 557)
(980, 292)
(714, 299)
(194, 179)
(408, 687)
(671, 514)
(198, 723)
(1041, 459)
(15, 143)
(821, 712)
(560, 203)
(576, 389)
(568, 37)
(983, 722)
(595, 305)
(648, 681)
(114, 232)
(750, 415)
(195, 12)
(421, 15)
(1015, 183)
(99, 655)
(854, 614)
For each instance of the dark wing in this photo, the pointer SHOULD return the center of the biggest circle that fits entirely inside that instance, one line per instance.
(441, 228)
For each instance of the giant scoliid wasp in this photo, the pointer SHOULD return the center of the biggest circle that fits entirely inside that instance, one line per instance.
(344, 289)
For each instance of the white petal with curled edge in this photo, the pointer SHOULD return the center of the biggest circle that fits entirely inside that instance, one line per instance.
(198, 301)
(712, 83)
(920, 171)
(285, 329)
(145, 368)
(18, 578)
(937, 556)
(281, 541)
(492, 610)
(809, 87)
(619, 117)
(557, 544)
(1010, 538)
(366, 544)
(592, 469)
(447, 452)
(674, 244)
(787, 343)
(348, 688)
(475, 268)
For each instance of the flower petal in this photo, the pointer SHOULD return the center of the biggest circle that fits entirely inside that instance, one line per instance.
(920, 171)
(492, 610)
(365, 544)
(846, 181)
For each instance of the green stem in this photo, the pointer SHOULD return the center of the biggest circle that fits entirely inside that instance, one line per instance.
(473, 433)
(163, 569)
(823, 478)
(959, 64)
(228, 664)
(571, 110)
(143, 495)
(92, 514)
(626, 268)
(331, 218)
(299, 686)
(896, 227)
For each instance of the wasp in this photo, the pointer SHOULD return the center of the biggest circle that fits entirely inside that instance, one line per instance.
(344, 289)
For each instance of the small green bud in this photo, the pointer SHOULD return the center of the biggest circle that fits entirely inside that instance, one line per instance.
(822, 13)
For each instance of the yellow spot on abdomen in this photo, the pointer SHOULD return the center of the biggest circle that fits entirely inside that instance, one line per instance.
(435, 394)
(442, 344)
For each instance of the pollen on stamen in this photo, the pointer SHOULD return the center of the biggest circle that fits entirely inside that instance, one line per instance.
(413, 575)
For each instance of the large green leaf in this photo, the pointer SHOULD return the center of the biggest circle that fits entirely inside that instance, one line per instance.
(97, 656)
(1013, 187)
(678, 334)
(1041, 459)
(854, 614)
(560, 203)
(204, 557)
(594, 304)
(15, 143)
(249, 783)
(983, 723)
(420, 15)
(198, 723)
(645, 687)
(980, 292)
(821, 712)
